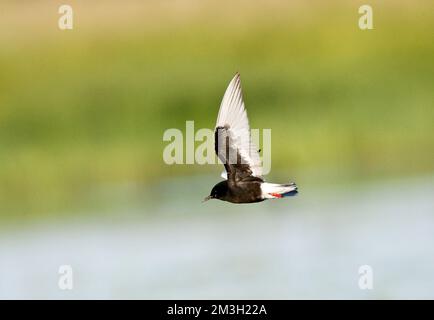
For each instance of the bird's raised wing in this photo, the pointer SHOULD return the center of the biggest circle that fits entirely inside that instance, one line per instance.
(233, 143)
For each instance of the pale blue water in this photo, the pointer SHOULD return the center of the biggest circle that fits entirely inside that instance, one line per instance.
(310, 246)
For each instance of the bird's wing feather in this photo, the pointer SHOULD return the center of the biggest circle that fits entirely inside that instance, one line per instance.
(224, 175)
(233, 142)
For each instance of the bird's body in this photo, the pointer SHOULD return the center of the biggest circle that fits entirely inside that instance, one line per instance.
(245, 191)
(244, 182)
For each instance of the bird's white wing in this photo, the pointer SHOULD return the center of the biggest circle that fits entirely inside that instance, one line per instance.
(233, 124)
(224, 175)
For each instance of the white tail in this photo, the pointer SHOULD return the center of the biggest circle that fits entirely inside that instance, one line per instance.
(275, 190)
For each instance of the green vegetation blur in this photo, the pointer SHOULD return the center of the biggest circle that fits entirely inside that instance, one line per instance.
(86, 108)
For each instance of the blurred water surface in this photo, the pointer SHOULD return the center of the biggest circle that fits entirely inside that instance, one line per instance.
(310, 246)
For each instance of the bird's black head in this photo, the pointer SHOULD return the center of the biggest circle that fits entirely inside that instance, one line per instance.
(219, 191)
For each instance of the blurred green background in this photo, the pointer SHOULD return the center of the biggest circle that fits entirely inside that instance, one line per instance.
(82, 177)
(83, 111)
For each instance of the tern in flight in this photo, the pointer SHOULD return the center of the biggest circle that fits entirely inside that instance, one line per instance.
(243, 177)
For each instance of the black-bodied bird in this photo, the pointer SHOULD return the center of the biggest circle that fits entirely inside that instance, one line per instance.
(243, 177)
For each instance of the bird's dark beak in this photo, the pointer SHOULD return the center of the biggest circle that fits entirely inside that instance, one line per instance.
(206, 199)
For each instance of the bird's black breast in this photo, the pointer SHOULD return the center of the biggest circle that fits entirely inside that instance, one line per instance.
(245, 191)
